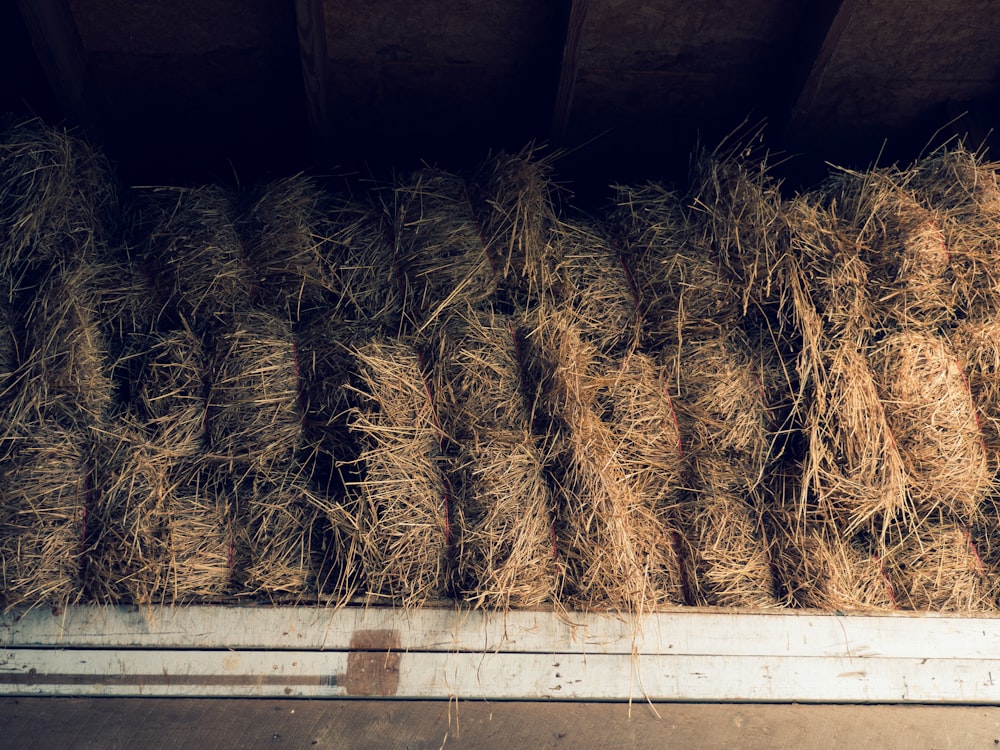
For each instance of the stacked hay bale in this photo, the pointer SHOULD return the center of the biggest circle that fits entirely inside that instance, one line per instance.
(717, 384)
(896, 456)
(58, 203)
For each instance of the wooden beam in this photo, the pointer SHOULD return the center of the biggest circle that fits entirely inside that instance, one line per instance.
(819, 43)
(311, 23)
(568, 69)
(57, 44)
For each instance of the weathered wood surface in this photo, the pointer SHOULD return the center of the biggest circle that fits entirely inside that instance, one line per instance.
(156, 724)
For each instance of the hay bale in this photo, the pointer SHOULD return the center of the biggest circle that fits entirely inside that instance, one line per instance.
(9, 354)
(131, 554)
(366, 276)
(67, 367)
(46, 487)
(937, 568)
(406, 525)
(287, 245)
(738, 213)
(611, 532)
(682, 291)
(254, 415)
(277, 531)
(854, 468)
(170, 390)
(515, 199)
(596, 285)
(824, 567)
(976, 344)
(440, 257)
(932, 418)
(724, 418)
(202, 538)
(507, 557)
(196, 252)
(58, 199)
(478, 375)
(731, 555)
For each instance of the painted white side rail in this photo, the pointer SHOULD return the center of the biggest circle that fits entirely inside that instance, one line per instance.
(435, 653)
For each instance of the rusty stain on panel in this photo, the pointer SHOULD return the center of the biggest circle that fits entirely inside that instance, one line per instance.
(372, 664)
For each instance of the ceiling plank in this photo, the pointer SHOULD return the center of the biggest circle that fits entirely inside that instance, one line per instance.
(60, 52)
(311, 23)
(568, 68)
(821, 45)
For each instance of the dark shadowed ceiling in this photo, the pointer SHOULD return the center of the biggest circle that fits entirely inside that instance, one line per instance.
(191, 90)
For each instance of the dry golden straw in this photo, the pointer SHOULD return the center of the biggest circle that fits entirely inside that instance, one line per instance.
(45, 489)
(405, 527)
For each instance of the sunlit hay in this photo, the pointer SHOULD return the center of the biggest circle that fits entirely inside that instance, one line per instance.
(977, 350)
(202, 539)
(825, 276)
(725, 420)
(507, 556)
(854, 467)
(596, 286)
(961, 187)
(278, 532)
(287, 246)
(732, 559)
(440, 255)
(516, 203)
(681, 290)
(931, 414)
(824, 567)
(170, 390)
(477, 375)
(130, 559)
(937, 568)
(254, 414)
(196, 252)
(611, 538)
(406, 524)
(67, 364)
(365, 275)
(45, 490)
(58, 199)
(738, 214)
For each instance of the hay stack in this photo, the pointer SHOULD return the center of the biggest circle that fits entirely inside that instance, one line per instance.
(406, 526)
(977, 350)
(287, 245)
(46, 487)
(503, 496)
(57, 199)
(515, 202)
(196, 252)
(933, 422)
(612, 535)
(440, 257)
(254, 414)
(9, 359)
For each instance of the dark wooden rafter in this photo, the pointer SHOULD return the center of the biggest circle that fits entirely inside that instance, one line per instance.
(576, 18)
(820, 43)
(311, 23)
(60, 52)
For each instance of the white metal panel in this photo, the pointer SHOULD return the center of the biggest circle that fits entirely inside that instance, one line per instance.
(501, 676)
(736, 633)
